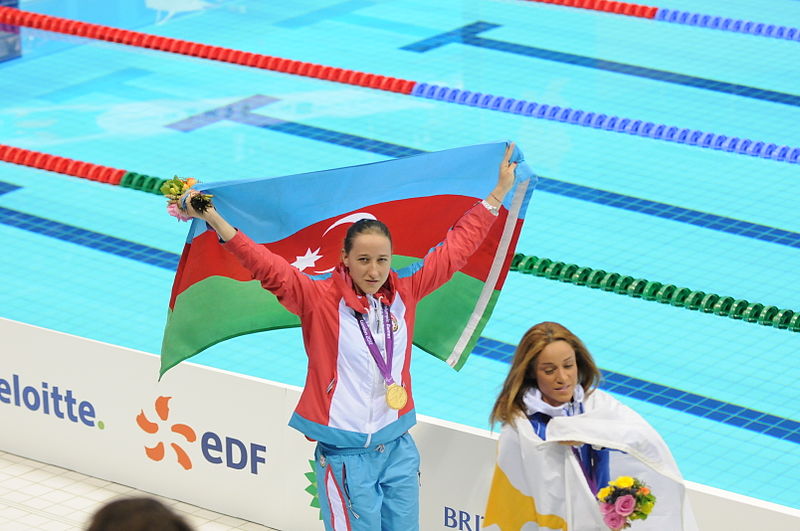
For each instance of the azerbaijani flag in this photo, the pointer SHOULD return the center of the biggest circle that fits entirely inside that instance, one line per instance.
(304, 218)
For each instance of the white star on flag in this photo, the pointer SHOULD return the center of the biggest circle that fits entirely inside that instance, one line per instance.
(307, 260)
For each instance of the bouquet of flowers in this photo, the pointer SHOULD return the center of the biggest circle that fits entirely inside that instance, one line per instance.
(623, 500)
(174, 188)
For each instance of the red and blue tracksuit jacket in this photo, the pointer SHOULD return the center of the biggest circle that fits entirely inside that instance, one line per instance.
(343, 402)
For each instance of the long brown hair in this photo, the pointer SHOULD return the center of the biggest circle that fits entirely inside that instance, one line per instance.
(521, 376)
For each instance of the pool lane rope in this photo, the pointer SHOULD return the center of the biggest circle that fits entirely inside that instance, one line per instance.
(687, 18)
(740, 309)
(67, 166)
(17, 17)
(619, 124)
(619, 8)
(651, 290)
(80, 169)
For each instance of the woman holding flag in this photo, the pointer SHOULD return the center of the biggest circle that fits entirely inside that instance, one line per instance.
(566, 445)
(358, 325)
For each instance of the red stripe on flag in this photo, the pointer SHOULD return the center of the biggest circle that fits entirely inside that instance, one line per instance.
(317, 248)
(204, 258)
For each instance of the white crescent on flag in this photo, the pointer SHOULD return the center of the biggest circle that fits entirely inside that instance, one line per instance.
(311, 257)
(352, 218)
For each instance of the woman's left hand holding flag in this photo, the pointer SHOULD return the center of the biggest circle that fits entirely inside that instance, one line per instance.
(188, 205)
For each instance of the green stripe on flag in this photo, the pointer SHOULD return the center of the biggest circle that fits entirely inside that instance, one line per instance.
(218, 308)
(215, 309)
(442, 315)
(440, 319)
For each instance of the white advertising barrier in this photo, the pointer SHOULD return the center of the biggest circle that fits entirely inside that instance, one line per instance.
(76, 403)
(457, 463)
(221, 441)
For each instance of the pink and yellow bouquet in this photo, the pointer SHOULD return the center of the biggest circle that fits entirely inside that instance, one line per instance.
(623, 500)
(174, 188)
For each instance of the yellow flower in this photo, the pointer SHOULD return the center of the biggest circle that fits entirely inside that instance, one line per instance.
(623, 482)
(647, 507)
(603, 493)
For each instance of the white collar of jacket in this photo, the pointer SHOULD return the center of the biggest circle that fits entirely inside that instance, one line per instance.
(534, 403)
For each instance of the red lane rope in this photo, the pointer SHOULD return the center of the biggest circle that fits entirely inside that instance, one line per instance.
(76, 168)
(17, 17)
(620, 8)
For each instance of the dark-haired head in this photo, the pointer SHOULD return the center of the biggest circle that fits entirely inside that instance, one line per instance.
(367, 254)
(137, 514)
(365, 226)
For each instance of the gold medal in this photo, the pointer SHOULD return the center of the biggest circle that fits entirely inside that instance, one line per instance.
(396, 396)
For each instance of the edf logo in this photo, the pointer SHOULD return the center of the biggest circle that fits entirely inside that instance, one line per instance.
(215, 449)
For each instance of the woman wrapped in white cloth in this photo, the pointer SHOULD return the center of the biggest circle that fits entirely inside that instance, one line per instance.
(563, 440)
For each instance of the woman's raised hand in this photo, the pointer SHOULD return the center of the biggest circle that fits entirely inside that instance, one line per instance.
(185, 206)
(505, 178)
(225, 230)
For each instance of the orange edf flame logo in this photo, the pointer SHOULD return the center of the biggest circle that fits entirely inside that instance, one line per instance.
(156, 453)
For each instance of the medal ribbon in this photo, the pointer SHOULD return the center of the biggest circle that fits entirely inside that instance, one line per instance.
(384, 366)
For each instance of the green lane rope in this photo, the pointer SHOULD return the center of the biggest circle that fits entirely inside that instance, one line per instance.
(140, 181)
(640, 288)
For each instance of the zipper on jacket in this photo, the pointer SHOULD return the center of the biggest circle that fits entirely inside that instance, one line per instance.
(369, 424)
(373, 373)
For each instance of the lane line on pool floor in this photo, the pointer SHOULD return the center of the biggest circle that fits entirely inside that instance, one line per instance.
(469, 35)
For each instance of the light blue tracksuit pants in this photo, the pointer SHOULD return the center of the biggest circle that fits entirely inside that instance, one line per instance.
(369, 489)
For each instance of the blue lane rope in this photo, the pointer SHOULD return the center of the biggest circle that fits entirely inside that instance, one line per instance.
(728, 24)
(619, 124)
